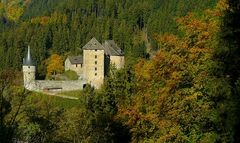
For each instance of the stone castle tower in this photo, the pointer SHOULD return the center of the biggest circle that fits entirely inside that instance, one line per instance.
(93, 55)
(91, 68)
(29, 71)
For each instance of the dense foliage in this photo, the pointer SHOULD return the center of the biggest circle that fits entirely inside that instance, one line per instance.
(182, 94)
(64, 27)
(180, 83)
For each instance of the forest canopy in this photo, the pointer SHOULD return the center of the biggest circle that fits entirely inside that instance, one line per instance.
(64, 27)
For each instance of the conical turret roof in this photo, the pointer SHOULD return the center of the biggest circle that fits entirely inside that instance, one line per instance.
(28, 60)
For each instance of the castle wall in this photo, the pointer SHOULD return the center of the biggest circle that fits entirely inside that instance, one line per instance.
(118, 61)
(94, 67)
(41, 85)
(78, 68)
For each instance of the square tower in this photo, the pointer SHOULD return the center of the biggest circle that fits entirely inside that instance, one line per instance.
(93, 63)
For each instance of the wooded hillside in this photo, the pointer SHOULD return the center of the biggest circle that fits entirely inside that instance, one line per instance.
(64, 27)
(180, 83)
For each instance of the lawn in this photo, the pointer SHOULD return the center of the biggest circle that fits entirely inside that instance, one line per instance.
(53, 100)
(76, 93)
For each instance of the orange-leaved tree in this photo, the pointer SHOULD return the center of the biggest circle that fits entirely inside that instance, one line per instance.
(54, 65)
(181, 92)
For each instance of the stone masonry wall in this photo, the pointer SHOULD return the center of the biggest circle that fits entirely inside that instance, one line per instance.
(29, 76)
(94, 67)
(118, 61)
(78, 68)
(41, 85)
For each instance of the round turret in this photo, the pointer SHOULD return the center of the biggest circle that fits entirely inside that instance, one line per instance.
(29, 71)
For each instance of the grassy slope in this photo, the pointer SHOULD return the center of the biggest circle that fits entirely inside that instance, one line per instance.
(55, 101)
(76, 93)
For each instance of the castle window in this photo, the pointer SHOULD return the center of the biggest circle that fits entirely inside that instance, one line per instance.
(95, 62)
(95, 69)
(76, 65)
(95, 74)
(95, 56)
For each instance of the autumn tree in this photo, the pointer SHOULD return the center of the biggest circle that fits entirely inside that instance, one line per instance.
(54, 65)
(182, 93)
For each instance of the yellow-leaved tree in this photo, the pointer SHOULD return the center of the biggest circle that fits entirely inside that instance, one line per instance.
(14, 13)
(181, 92)
(54, 66)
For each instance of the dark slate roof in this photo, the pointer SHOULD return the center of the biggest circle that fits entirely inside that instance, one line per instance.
(112, 49)
(93, 44)
(27, 61)
(76, 59)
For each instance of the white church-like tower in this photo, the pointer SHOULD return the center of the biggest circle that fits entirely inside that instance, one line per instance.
(29, 71)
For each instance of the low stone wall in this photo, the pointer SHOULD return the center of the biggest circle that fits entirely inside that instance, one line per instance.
(41, 85)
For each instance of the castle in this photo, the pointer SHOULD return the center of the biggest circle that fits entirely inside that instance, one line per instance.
(91, 67)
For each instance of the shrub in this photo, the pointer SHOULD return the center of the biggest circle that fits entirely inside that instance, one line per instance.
(71, 75)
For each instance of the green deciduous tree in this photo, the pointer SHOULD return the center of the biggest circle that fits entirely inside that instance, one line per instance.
(11, 103)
